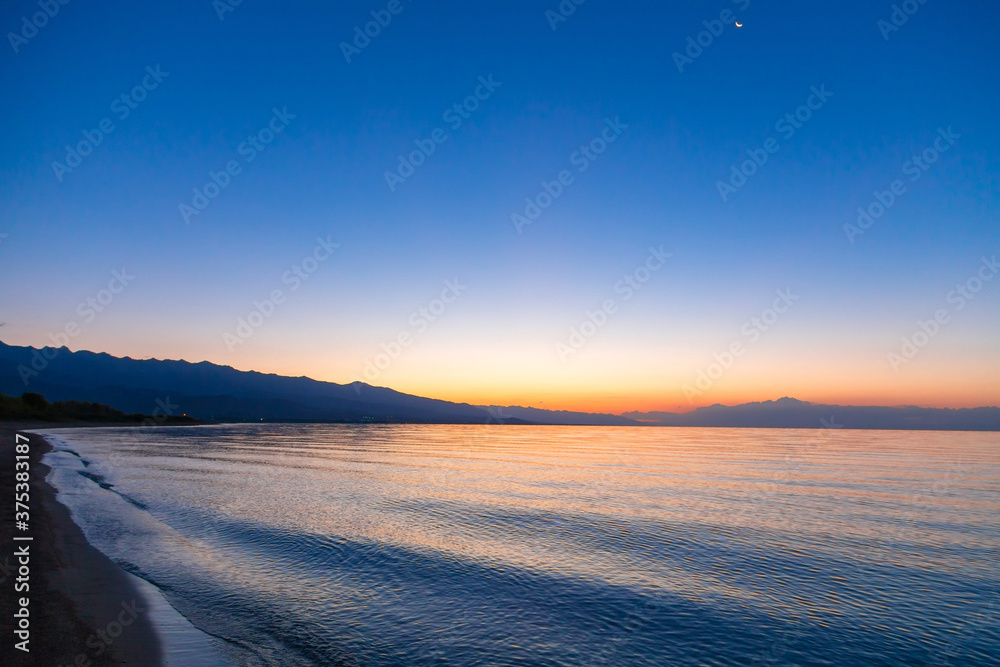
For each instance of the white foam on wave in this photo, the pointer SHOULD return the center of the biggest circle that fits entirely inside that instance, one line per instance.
(181, 642)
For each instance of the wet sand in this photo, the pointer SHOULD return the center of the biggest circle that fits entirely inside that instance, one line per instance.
(79, 599)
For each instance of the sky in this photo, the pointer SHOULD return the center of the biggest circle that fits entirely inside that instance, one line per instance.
(597, 206)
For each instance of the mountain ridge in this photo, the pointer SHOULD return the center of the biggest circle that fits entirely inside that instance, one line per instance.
(215, 392)
(789, 412)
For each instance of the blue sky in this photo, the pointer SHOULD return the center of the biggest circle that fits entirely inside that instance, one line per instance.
(656, 185)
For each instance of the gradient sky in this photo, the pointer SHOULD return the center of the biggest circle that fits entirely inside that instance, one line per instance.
(656, 185)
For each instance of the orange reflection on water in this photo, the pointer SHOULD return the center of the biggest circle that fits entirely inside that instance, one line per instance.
(610, 503)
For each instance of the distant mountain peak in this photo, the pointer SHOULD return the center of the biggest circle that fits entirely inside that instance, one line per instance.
(213, 392)
(788, 400)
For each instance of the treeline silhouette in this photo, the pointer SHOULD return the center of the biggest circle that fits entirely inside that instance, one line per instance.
(34, 407)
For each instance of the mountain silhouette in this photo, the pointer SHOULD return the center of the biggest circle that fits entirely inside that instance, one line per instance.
(221, 393)
(792, 413)
(214, 393)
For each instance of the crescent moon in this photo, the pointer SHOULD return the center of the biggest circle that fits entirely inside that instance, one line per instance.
(739, 25)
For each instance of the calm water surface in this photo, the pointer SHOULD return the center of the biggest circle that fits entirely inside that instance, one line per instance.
(520, 545)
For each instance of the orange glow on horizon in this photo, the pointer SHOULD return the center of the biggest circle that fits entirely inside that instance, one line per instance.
(611, 382)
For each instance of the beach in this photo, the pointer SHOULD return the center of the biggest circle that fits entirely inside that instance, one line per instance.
(78, 597)
(402, 545)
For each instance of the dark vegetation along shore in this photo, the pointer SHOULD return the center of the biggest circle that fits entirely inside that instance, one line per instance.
(34, 407)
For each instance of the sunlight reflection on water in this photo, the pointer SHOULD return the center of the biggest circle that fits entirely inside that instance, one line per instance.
(550, 545)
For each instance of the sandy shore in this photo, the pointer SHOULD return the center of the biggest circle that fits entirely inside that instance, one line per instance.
(79, 599)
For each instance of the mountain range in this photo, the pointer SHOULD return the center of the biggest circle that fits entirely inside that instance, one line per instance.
(212, 392)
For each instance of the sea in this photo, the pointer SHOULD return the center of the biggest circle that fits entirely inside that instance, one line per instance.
(411, 545)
